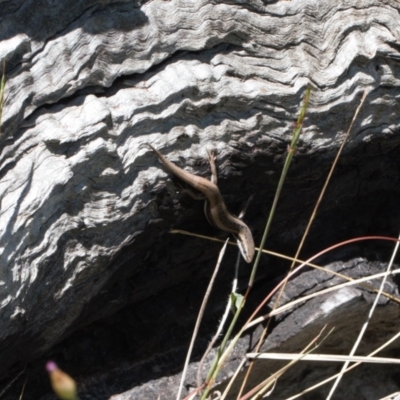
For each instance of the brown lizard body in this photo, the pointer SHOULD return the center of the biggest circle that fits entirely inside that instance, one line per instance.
(216, 212)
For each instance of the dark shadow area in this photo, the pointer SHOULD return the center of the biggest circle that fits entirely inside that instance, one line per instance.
(152, 301)
(26, 16)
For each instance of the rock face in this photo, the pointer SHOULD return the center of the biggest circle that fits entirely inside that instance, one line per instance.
(85, 257)
(340, 313)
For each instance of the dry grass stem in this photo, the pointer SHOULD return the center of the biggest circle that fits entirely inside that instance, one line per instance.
(395, 337)
(222, 323)
(261, 388)
(285, 257)
(323, 357)
(364, 327)
(293, 303)
(199, 319)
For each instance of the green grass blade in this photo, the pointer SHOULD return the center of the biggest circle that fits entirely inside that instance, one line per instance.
(217, 360)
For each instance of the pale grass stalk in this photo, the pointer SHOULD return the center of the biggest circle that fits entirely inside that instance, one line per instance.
(228, 387)
(237, 336)
(323, 357)
(262, 387)
(300, 356)
(310, 221)
(328, 179)
(199, 319)
(283, 256)
(364, 327)
(216, 365)
(269, 392)
(223, 320)
(321, 195)
(23, 388)
(393, 396)
(348, 369)
(293, 303)
(303, 263)
(11, 382)
(297, 269)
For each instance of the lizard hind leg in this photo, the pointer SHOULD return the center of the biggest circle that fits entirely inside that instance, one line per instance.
(211, 160)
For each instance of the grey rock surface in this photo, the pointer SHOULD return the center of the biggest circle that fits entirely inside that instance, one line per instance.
(85, 210)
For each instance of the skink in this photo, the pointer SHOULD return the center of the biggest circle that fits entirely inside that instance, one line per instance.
(216, 211)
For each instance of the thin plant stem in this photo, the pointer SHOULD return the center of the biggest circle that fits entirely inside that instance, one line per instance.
(11, 382)
(222, 355)
(316, 208)
(291, 151)
(199, 319)
(328, 179)
(293, 303)
(223, 320)
(262, 387)
(395, 337)
(364, 327)
(297, 260)
(297, 269)
(23, 388)
(218, 359)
